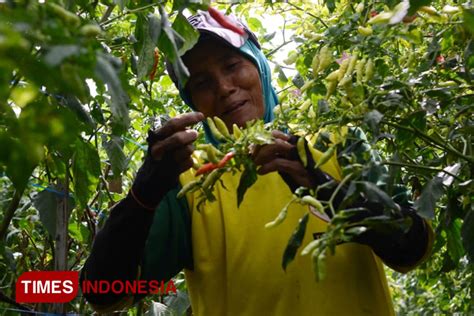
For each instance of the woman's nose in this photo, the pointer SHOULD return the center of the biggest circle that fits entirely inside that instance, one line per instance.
(225, 85)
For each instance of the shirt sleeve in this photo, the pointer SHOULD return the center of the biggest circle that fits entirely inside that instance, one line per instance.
(168, 248)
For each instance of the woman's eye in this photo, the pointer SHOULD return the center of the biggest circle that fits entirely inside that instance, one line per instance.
(233, 65)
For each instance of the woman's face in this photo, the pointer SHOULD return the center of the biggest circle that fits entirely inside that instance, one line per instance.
(223, 83)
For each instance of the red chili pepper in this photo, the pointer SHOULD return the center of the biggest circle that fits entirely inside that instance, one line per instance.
(208, 167)
(224, 21)
(225, 159)
(156, 57)
(373, 13)
(440, 59)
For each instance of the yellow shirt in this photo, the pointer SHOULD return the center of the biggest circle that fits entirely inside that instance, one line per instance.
(237, 262)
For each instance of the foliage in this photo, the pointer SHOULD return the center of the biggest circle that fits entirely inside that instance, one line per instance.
(81, 83)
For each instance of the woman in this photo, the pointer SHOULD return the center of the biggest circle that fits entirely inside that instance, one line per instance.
(232, 264)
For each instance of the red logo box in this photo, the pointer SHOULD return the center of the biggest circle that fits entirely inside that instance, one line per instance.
(47, 286)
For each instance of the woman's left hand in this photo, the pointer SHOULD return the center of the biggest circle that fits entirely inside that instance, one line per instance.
(282, 156)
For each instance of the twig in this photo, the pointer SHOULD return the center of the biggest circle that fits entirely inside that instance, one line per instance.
(127, 12)
(8, 216)
(107, 13)
(336, 191)
(415, 166)
(273, 51)
(308, 13)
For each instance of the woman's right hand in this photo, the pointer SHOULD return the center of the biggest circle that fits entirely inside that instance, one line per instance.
(169, 154)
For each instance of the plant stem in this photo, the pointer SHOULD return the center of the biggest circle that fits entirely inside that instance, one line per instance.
(8, 215)
(430, 139)
(127, 12)
(420, 167)
(308, 13)
(336, 191)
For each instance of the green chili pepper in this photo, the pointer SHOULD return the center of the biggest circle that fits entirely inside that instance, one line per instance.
(326, 156)
(302, 151)
(221, 127)
(189, 187)
(308, 199)
(215, 132)
(211, 178)
(236, 131)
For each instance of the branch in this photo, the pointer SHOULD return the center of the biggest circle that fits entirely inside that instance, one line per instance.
(308, 13)
(107, 13)
(8, 216)
(127, 12)
(415, 166)
(430, 139)
(10, 301)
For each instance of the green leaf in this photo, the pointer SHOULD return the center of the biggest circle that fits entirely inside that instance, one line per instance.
(247, 179)
(58, 53)
(331, 4)
(121, 3)
(46, 202)
(416, 119)
(150, 30)
(169, 43)
(85, 170)
(374, 194)
(295, 241)
(372, 119)
(119, 99)
(117, 158)
(454, 240)
(426, 203)
(467, 233)
(188, 33)
(73, 103)
(469, 20)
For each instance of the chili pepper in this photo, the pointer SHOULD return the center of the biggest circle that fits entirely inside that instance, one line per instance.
(333, 75)
(211, 178)
(212, 152)
(325, 58)
(224, 21)
(65, 15)
(225, 159)
(236, 131)
(369, 70)
(331, 87)
(208, 167)
(300, 145)
(343, 68)
(156, 56)
(221, 127)
(365, 31)
(326, 156)
(305, 105)
(307, 85)
(347, 78)
(315, 64)
(90, 30)
(308, 199)
(360, 70)
(279, 219)
(189, 187)
(214, 130)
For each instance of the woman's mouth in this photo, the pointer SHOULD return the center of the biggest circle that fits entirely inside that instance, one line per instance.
(234, 107)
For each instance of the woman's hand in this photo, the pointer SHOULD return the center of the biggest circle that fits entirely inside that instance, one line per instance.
(169, 154)
(282, 156)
